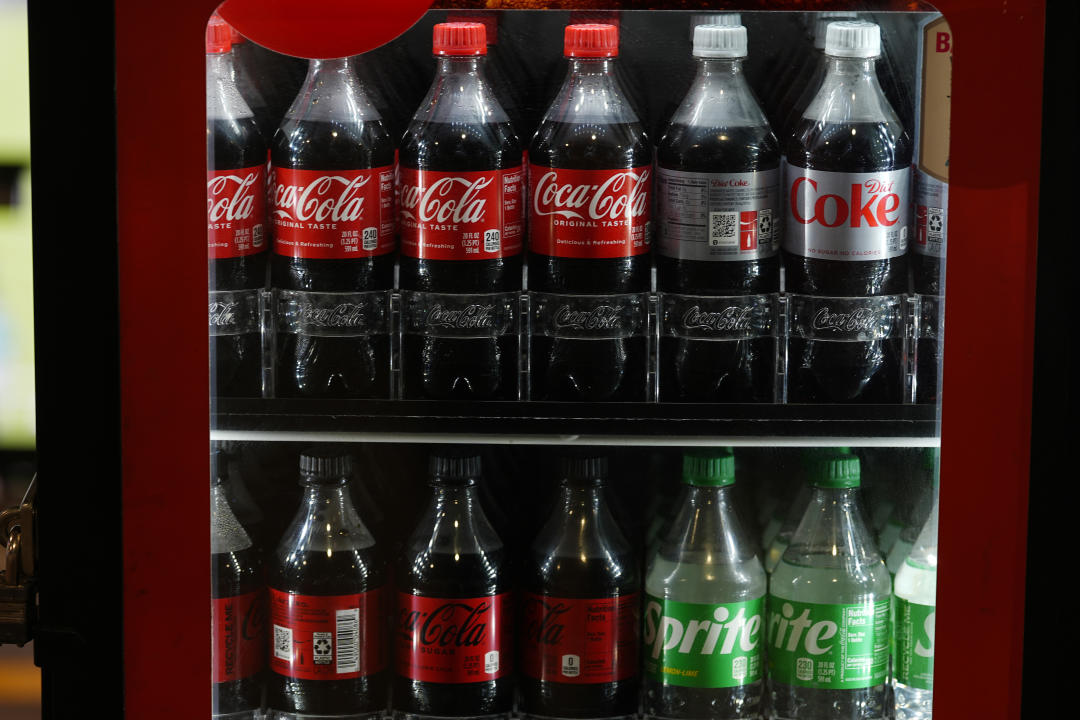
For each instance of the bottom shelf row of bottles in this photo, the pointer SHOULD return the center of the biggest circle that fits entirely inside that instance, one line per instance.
(778, 583)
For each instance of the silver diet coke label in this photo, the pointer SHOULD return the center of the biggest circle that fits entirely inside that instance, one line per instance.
(718, 216)
(847, 216)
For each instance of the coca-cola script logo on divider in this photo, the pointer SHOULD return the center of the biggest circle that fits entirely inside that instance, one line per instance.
(848, 216)
(601, 317)
(861, 320)
(729, 319)
(469, 317)
(235, 211)
(454, 640)
(460, 215)
(589, 213)
(333, 214)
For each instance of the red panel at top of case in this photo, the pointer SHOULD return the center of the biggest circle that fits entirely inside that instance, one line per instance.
(321, 28)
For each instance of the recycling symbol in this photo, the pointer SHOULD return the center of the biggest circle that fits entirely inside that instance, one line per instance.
(765, 224)
(935, 222)
(322, 646)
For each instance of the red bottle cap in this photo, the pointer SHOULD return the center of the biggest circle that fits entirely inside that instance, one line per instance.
(459, 38)
(218, 35)
(591, 41)
(487, 19)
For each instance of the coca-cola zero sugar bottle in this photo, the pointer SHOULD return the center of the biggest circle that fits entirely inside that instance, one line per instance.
(455, 605)
(717, 184)
(332, 161)
(581, 606)
(848, 214)
(328, 649)
(238, 606)
(590, 195)
(460, 218)
(236, 214)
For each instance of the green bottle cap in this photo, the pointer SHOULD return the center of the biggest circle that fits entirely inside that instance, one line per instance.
(709, 468)
(836, 471)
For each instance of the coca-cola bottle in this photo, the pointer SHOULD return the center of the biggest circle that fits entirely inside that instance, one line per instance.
(581, 606)
(332, 161)
(460, 220)
(235, 216)
(238, 606)
(328, 654)
(847, 196)
(590, 191)
(718, 181)
(455, 605)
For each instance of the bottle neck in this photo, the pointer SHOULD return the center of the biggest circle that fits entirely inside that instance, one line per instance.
(460, 94)
(223, 99)
(581, 499)
(456, 521)
(707, 521)
(332, 93)
(592, 92)
(720, 97)
(850, 93)
(326, 522)
(226, 532)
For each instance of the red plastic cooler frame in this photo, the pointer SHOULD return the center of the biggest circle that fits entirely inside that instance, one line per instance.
(164, 398)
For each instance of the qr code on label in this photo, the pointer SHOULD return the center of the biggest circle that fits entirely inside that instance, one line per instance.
(282, 642)
(491, 241)
(723, 229)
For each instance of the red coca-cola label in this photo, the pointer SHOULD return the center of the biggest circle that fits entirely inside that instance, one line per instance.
(460, 215)
(238, 636)
(589, 213)
(454, 640)
(333, 214)
(235, 212)
(579, 641)
(326, 637)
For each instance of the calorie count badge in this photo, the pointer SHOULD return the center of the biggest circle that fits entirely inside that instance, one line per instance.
(326, 637)
(580, 640)
(235, 211)
(590, 213)
(454, 640)
(468, 215)
(333, 214)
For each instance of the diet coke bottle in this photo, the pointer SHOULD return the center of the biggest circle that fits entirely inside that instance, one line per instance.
(328, 653)
(590, 196)
(581, 606)
(235, 218)
(848, 215)
(718, 182)
(455, 605)
(332, 161)
(460, 218)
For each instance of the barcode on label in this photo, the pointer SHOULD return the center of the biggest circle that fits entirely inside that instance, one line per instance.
(491, 241)
(723, 229)
(348, 640)
(282, 642)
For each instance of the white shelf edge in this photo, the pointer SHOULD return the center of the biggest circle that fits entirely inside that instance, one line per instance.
(543, 439)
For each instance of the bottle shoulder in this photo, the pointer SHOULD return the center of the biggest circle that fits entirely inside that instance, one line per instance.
(717, 149)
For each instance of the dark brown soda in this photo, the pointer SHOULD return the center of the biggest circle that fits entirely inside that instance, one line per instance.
(590, 146)
(237, 359)
(311, 366)
(231, 574)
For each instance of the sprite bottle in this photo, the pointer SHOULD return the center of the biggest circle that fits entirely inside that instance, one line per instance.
(913, 652)
(704, 612)
(828, 612)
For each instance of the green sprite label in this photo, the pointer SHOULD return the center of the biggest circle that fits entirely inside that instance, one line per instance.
(829, 647)
(703, 645)
(913, 663)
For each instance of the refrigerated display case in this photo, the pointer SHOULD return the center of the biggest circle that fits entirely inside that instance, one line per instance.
(145, 413)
